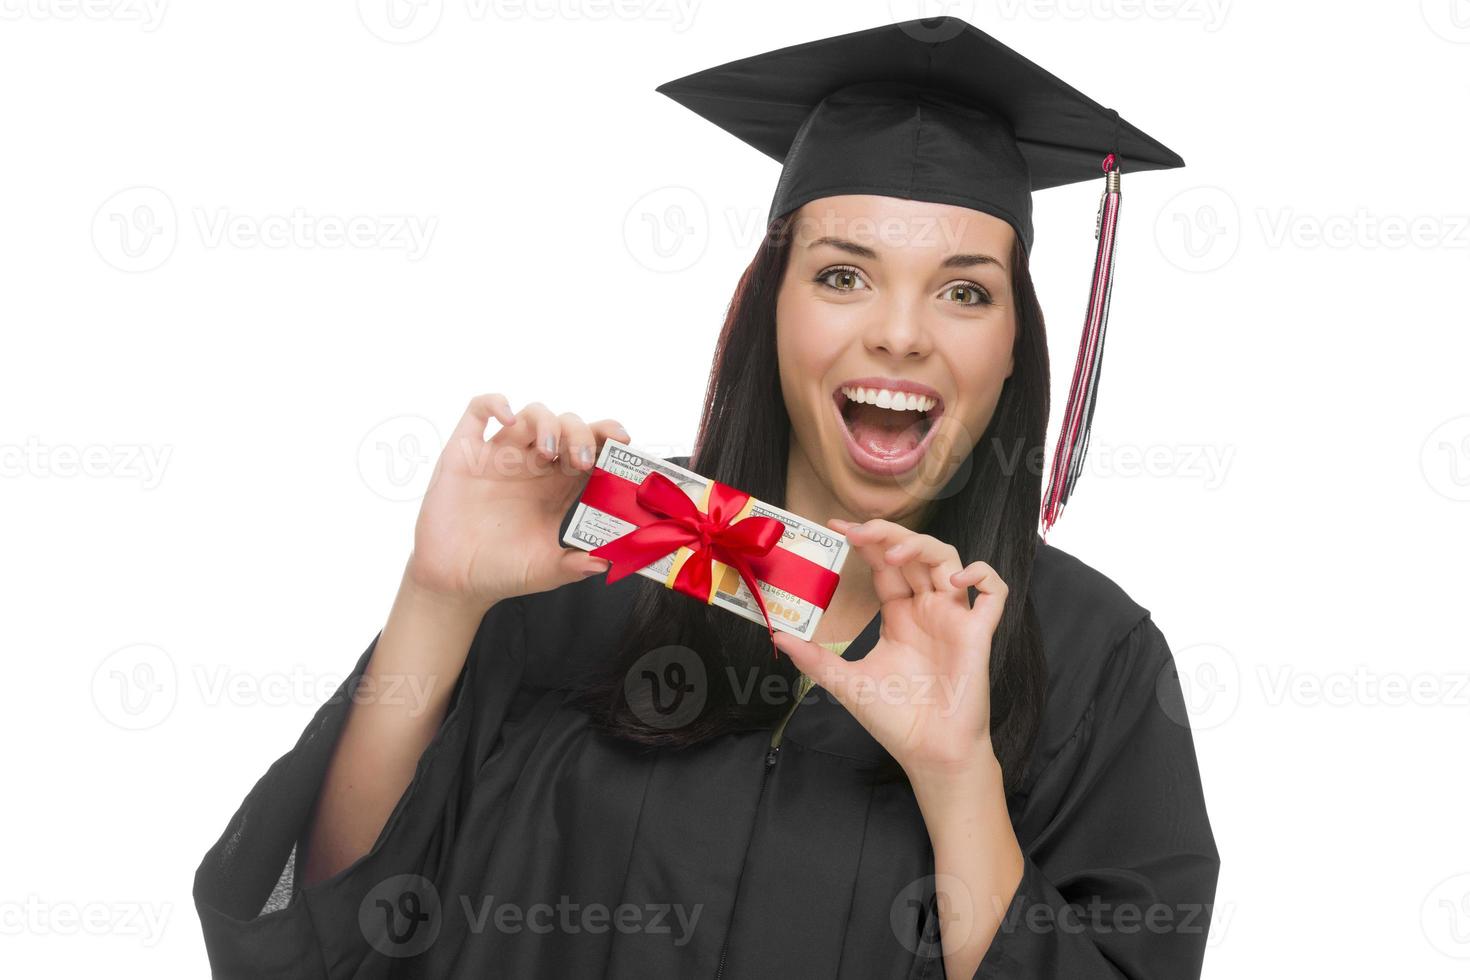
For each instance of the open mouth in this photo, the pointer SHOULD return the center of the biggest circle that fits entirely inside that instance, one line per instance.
(887, 429)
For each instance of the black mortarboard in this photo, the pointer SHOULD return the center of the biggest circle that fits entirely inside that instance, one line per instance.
(935, 110)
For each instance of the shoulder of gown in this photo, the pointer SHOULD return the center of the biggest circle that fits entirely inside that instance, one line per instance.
(1084, 615)
(1096, 638)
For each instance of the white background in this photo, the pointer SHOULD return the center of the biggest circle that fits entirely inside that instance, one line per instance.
(212, 444)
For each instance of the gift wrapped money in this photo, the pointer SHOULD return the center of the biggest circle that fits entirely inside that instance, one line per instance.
(707, 540)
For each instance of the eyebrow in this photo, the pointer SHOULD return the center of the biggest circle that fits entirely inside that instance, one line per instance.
(960, 261)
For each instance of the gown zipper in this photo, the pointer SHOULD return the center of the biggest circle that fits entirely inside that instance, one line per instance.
(804, 687)
(771, 754)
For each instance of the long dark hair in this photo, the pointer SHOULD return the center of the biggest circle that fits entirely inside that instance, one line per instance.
(988, 512)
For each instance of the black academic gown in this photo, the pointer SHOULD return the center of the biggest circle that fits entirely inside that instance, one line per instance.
(527, 846)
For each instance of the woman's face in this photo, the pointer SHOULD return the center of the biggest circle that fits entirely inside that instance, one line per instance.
(895, 324)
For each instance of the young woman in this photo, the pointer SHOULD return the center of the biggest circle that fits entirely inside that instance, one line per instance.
(533, 773)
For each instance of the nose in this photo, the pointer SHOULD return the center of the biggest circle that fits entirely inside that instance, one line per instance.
(898, 328)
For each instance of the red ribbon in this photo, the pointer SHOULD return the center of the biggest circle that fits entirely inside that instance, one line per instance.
(668, 520)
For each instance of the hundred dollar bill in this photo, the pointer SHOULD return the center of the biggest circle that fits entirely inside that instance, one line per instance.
(590, 528)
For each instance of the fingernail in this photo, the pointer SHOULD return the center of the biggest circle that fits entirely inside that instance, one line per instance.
(585, 452)
(595, 571)
(549, 444)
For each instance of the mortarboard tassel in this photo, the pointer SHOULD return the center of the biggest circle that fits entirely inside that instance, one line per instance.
(1071, 447)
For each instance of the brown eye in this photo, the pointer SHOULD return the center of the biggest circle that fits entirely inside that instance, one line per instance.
(841, 278)
(967, 294)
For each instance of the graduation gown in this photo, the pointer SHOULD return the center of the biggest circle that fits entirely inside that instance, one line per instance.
(529, 846)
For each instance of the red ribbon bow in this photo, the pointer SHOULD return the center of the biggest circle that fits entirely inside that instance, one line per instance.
(708, 535)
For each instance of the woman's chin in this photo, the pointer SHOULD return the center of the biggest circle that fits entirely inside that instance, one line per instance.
(867, 497)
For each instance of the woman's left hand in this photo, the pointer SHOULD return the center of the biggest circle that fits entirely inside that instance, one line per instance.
(923, 691)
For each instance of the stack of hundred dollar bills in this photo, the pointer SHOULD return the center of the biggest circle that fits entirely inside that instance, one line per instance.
(591, 528)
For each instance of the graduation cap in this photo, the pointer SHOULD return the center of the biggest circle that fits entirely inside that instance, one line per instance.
(937, 110)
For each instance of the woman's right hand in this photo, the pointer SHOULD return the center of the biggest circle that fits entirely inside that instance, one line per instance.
(487, 528)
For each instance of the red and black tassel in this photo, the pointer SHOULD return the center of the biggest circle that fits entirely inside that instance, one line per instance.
(1071, 447)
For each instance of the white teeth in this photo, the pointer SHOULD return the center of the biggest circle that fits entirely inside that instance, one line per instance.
(887, 398)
